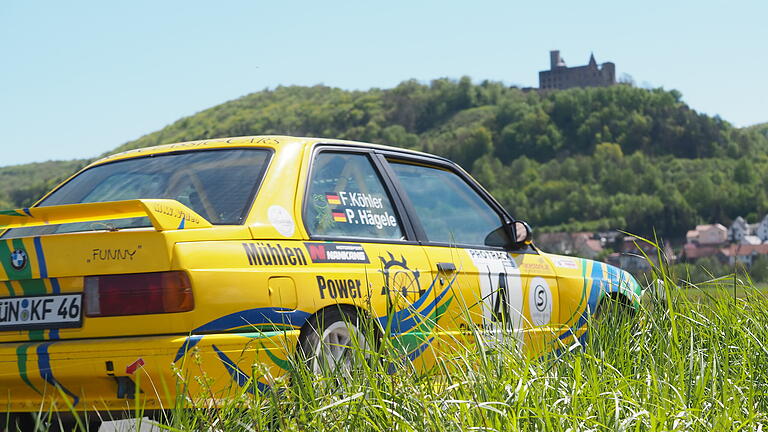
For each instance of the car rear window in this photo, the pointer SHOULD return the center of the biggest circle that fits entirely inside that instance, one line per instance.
(217, 184)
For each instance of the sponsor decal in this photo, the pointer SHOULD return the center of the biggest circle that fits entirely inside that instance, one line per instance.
(281, 219)
(175, 212)
(333, 199)
(265, 254)
(481, 327)
(529, 266)
(112, 254)
(540, 302)
(337, 253)
(338, 288)
(566, 263)
(501, 292)
(267, 140)
(19, 259)
(491, 255)
(399, 278)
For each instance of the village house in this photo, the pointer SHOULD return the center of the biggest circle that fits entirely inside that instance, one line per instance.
(744, 254)
(742, 232)
(740, 243)
(581, 244)
(705, 241)
(762, 229)
(633, 252)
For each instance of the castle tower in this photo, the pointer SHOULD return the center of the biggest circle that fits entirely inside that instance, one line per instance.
(560, 76)
(555, 61)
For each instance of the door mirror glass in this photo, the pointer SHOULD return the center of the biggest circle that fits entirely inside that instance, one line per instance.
(521, 232)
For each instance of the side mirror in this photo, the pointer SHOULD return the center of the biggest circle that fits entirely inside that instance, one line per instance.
(522, 234)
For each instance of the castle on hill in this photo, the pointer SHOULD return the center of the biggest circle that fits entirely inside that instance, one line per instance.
(560, 76)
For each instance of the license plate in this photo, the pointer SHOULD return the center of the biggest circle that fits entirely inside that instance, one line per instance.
(39, 312)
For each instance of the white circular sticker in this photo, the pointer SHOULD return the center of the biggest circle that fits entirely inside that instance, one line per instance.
(281, 220)
(540, 301)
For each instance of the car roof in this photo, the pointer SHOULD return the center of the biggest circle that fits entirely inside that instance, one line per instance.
(272, 141)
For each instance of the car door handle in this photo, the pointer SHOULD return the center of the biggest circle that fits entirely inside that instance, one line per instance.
(446, 267)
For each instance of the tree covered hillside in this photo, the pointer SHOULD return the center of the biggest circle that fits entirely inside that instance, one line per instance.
(761, 128)
(616, 157)
(21, 185)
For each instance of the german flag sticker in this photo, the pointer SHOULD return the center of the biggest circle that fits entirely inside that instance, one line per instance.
(333, 198)
(339, 216)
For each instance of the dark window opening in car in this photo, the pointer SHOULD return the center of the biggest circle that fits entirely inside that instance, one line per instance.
(217, 184)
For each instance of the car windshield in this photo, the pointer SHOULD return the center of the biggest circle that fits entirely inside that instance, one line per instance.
(217, 184)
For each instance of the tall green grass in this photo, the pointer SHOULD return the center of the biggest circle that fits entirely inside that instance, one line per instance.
(678, 364)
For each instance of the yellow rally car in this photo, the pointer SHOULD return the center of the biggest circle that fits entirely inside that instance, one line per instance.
(246, 250)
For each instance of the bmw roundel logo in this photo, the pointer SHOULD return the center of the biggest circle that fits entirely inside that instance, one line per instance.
(19, 259)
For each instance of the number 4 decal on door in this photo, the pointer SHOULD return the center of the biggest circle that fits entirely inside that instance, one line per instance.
(501, 304)
(500, 289)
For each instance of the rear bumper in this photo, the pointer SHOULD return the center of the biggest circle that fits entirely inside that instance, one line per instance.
(108, 374)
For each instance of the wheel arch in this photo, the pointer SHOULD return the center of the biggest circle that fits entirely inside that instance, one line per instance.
(358, 310)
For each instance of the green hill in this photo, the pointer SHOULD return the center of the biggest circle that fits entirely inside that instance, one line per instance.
(21, 185)
(761, 128)
(616, 157)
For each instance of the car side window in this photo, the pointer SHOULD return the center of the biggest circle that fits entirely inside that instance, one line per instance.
(347, 198)
(449, 209)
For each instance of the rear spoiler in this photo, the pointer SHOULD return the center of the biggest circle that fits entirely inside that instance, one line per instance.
(165, 214)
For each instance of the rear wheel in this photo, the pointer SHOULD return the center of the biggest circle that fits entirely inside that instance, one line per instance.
(335, 340)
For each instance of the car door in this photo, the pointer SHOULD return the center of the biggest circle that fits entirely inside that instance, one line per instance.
(484, 293)
(363, 249)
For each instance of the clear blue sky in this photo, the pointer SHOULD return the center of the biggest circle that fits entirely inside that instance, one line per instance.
(82, 77)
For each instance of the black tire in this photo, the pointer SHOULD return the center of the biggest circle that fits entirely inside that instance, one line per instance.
(90, 425)
(13, 422)
(614, 308)
(335, 340)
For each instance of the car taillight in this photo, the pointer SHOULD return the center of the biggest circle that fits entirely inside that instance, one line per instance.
(138, 294)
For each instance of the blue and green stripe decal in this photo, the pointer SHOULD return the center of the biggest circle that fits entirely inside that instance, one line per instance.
(21, 360)
(44, 366)
(23, 213)
(598, 283)
(238, 376)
